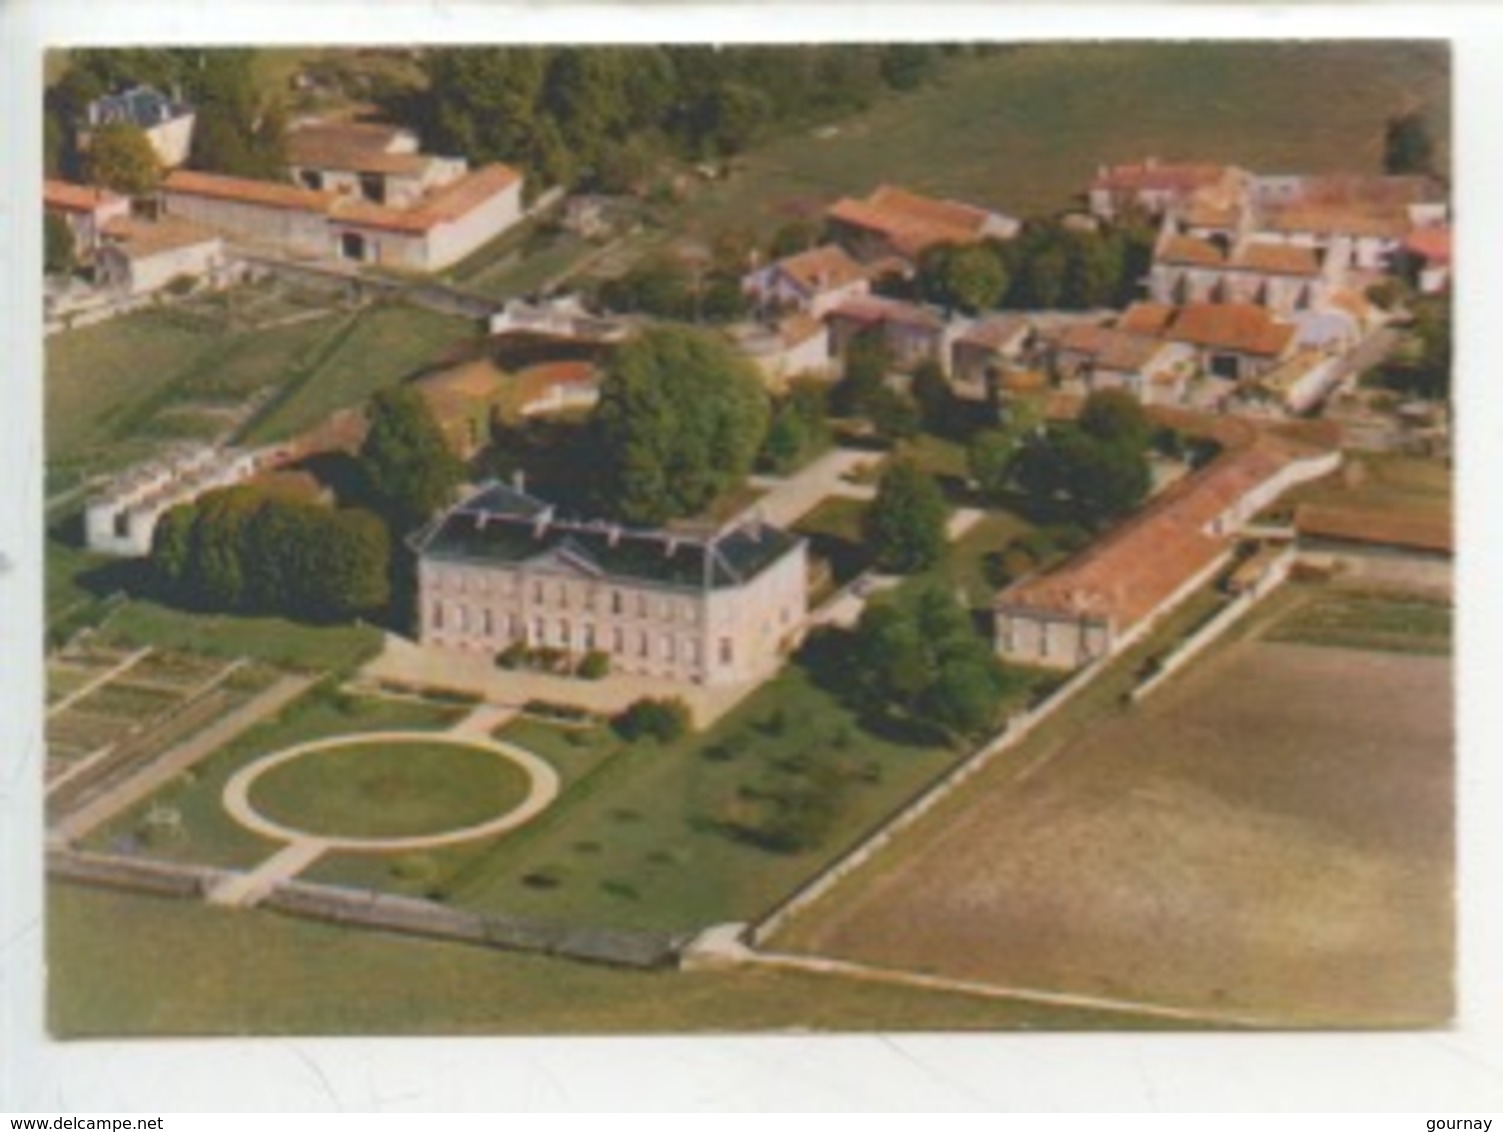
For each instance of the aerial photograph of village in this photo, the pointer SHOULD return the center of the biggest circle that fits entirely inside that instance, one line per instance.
(688, 539)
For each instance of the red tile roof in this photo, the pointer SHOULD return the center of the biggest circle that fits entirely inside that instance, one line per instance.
(1112, 348)
(876, 309)
(358, 147)
(141, 239)
(1369, 525)
(271, 194)
(448, 203)
(68, 197)
(1433, 245)
(1277, 259)
(913, 223)
(1237, 327)
(1133, 570)
(1158, 176)
(1146, 318)
(825, 268)
(1192, 251)
(1342, 220)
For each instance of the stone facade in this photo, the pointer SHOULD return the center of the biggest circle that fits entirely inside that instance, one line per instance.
(500, 570)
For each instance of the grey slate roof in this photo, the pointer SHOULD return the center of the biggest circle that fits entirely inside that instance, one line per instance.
(499, 524)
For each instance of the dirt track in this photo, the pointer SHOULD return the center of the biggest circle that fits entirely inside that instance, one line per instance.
(1271, 834)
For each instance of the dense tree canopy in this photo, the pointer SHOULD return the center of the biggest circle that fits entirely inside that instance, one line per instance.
(565, 113)
(905, 524)
(407, 461)
(121, 158)
(680, 420)
(1098, 462)
(238, 131)
(242, 550)
(970, 278)
(919, 655)
(993, 452)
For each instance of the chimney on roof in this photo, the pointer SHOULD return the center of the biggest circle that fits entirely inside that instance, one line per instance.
(519, 481)
(540, 524)
(614, 535)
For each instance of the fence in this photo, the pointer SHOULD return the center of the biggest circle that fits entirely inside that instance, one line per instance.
(162, 878)
(1018, 728)
(1213, 630)
(423, 917)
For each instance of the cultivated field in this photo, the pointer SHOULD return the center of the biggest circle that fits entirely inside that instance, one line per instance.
(1269, 836)
(1022, 130)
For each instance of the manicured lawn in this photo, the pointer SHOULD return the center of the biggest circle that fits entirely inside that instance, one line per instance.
(206, 833)
(381, 789)
(1370, 620)
(275, 640)
(121, 965)
(698, 832)
(1023, 129)
(387, 343)
(96, 375)
(936, 456)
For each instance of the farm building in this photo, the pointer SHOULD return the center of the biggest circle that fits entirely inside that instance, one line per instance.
(912, 334)
(86, 209)
(894, 222)
(1152, 369)
(1104, 598)
(1155, 187)
(123, 519)
(439, 229)
(502, 569)
(812, 281)
(366, 161)
(1235, 341)
(985, 350)
(794, 345)
(142, 256)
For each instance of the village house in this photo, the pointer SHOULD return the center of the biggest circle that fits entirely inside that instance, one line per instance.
(167, 122)
(912, 334)
(86, 209)
(985, 350)
(1154, 187)
(893, 222)
(142, 256)
(366, 160)
(502, 569)
(123, 519)
(811, 281)
(1106, 597)
(1281, 277)
(1426, 259)
(564, 319)
(1363, 218)
(1300, 384)
(437, 230)
(1152, 369)
(1233, 341)
(796, 345)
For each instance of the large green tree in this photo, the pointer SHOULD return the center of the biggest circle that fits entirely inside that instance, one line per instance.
(918, 655)
(680, 420)
(905, 524)
(121, 158)
(407, 461)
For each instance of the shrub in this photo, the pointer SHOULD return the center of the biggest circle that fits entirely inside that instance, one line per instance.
(596, 665)
(180, 285)
(513, 655)
(663, 720)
